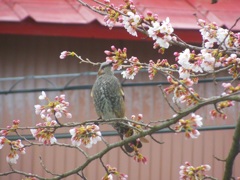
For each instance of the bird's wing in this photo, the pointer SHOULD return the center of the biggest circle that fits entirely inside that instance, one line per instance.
(91, 92)
(119, 107)
(122, 93)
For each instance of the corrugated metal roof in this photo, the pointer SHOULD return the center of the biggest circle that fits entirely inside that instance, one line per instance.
(225, 12)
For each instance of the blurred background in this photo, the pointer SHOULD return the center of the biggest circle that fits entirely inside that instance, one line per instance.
(33, 33)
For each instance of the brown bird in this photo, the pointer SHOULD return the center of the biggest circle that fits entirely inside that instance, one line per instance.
(109, 103)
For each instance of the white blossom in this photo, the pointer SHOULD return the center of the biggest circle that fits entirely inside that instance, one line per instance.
(183, 73)
(162, 42)
(127, 75)
(2, 139)
(130, 22)
(208, 61)
(12, 158)
(194, 134)
(42, 96)
(183, 59)
(166, 27)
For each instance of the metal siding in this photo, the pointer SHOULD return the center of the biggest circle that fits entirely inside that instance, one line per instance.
(23, 56)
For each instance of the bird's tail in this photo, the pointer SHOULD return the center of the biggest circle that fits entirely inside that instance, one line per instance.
(130, 146)
(124, 133)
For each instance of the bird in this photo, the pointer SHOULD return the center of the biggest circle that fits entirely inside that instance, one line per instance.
(109, 102)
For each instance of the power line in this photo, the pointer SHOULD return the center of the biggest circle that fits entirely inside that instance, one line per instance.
(67, 86)
(114, 133)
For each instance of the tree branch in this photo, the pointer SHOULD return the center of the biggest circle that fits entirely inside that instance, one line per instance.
(235, 149)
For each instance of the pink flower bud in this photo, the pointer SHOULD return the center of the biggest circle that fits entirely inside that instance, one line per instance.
(176, 54)
(16, 122)
(226, 85)
(149, 13)
(113, 48)
(108, 52)
(133, 117)
(140, 116)
(69, 115)
(106, 1)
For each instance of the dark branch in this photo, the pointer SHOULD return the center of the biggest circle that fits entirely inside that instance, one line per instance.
(235, 149)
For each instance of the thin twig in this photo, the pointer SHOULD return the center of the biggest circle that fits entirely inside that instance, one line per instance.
(82, 175)
(92, 8)
(105, 142)
(165, 97)
(45, 168)
(155, 139)
(106, 169)
(223, 160)
(128, 154)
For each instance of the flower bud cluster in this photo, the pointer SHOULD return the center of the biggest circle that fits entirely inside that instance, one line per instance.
(9, 129)
(15, 146)
(228, 89)
(153, 67)
(116, 56)
(188, 172)
(182, 91)
(136, 127)
(114, 171)
(134, 68)
(58, 107)
(139, 157)
(232, 61)
(133, 131)
(218, 112)
(125, 14)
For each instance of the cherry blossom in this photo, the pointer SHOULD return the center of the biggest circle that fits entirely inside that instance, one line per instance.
(45, 132)
(12, 158)
(2, 141)
(161, 33)
(184, 73)
(154, 30)
(42, 96)
(166, 27)
(86, 135)
(190, 125)
(129, 73)
(183, 59)
(162, 42)
(209, 61)
(15, 146)
(130, 22)
(110, 22)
